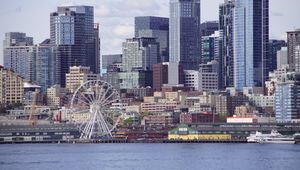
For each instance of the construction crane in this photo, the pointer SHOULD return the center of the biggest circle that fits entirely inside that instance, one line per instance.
(32, 116)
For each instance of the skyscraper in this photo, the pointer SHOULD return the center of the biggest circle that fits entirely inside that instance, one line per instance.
(154, 27)
(226, 55)
(274, 46)
(140, 54)
(185, 35)
(73, 35)
(19, 55)
(293, 40)
(45, 66)
(250, 46)
(287, 98)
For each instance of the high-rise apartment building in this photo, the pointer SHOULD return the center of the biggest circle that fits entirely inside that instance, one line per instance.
(185, 33)
(250, 46)
(19, 55)
(73, 33)
(293, 40)
(11, 87)
(140, 53)
(226, 54)
(287, 98)
(154, 27)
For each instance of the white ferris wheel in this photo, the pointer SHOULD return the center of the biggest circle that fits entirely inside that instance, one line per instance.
(93, 100)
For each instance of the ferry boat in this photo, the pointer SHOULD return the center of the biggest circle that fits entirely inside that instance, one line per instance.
(273, 137)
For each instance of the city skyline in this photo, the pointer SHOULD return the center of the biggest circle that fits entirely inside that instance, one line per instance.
(113, 16)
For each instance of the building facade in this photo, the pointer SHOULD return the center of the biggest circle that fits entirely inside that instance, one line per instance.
(226, 55)
(77, 76)
(140, 53)
(108, 60)
(167, 73)
(250, 46)
(282, 57)
(209, 76)
(293, 40)
(154, 27)
(73, 34)
(209, 27)
(185, 33)
(45, 65)
(19, 54)
(192, 79)
(287, 98)
(11, 87)
(57, 96)
(274, 47)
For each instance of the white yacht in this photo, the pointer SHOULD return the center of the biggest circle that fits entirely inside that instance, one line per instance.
(273, 137)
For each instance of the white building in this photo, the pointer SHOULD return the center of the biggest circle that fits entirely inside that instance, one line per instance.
(191, 79)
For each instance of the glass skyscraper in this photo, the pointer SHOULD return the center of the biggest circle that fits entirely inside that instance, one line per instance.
(226, 54)
(185, 33)
(73, 35)
(250, 47)
(154, 27)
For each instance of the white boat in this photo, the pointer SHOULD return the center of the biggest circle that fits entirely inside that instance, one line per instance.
(273, 137)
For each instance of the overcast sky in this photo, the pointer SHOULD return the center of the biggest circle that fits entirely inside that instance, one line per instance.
(116, 17)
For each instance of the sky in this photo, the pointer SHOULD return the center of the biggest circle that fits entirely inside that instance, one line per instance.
(116, 17)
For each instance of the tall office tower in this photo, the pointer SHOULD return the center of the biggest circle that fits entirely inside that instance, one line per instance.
(185, 35)
(226, 55)
(45, 65)
(154, 27)
(209, 27)
(293, 40)
(282, 57)
(19, 55)
(97, 48)
(287, 98)
(250, 46)
(140, 53)
(274, 46)
(73, 35)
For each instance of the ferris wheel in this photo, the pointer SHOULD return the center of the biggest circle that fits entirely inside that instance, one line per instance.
(92, 100)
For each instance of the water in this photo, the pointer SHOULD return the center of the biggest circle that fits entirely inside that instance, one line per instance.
(149, 156)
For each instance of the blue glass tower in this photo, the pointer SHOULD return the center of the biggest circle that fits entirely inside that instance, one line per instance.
(250, 47)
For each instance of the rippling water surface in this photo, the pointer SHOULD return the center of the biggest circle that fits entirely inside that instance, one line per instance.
(149, 156)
